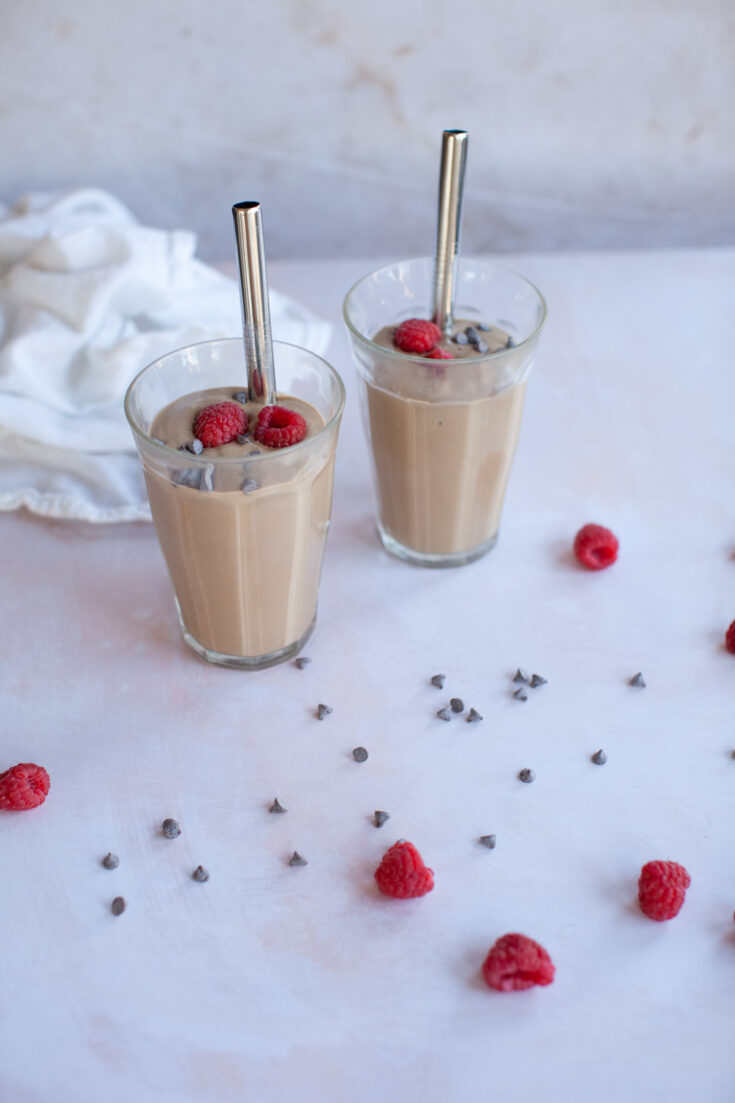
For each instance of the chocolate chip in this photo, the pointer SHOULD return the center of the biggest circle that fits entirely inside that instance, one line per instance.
(537, 680)
(240, 396)
(460, 339)
(195, 446)
(599, 758)
(527, 776)
(488, 841)
(297, 860)
(438, 680)
(472, 335)
(379, 818)
(170, 829)
(249, 485)
(301, 662)
(473, 717)
(110, 861)
(360, 754)
(510, 343)
(457, 704)
(445, 713)
(277, 806)
(322, 711)
(520, 694)
(255, 452)
(483, 327)
(243, 438)
(481, 348)
(638, 680)
(520, 675)
(200, 874)
(117, 907)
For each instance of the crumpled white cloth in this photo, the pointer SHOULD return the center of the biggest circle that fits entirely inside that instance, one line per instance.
(88, 297)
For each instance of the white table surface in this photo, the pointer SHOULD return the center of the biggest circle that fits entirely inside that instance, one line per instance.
(270, 983)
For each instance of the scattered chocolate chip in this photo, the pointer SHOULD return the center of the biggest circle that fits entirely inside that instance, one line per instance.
(200, 874)
(638, 680)
(297, 860)
(520, 675)
(527, 776)
(472, 335)
(445, 713)
(460, 339)
(249, 485)
(483, 327)
(520, 694)
(457, 704)
(301, 662)
(170, 829)
(438, 680)
(195, 446)
(322, 711)
(243, 438)
(379, 818)
(110, 861)
(481, 348)
(488, 841)
(473, 717)
(240, 396)
(599, 758)
(537, 680)
(255, 452)
(117, 907)
(360, 754)
(277, 806)
(510, 343)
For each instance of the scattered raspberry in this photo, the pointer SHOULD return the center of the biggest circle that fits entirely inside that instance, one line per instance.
(402, 872)
(24, 786)
(278, 427)
(730, 638)
(438, 354)
(595, 547)
(220, 423)
(516, 962)
(417, 335)
(662, 887)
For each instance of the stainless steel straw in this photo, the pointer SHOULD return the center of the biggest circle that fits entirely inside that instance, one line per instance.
(451, 184)
(256, 315)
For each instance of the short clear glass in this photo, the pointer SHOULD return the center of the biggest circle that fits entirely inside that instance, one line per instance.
(442, 433)
(245, 566)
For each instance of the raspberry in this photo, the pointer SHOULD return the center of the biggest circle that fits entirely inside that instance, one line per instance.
(279, 428)
(402, 872)
(595, 547)
(516, 962)
(730, 638)
(662, 887)
(438, 354)
(220, 423)
(417, 335)
(24, 786)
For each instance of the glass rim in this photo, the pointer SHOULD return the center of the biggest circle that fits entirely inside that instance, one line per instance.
(418, 357)
(189, 457)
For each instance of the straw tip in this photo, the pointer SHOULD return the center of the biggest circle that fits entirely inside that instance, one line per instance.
(246, 205)
(456, 133)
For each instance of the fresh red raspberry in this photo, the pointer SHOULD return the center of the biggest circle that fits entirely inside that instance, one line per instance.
(220, 423)
(595, 547)
(23, 786)
(438, 354)
(278, 427)
(662, 887)
(730, 638)
(417, 335)
(402, 872)
(516, 962)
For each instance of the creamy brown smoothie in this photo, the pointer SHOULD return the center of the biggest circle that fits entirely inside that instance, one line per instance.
(242, 535)
(443, 444)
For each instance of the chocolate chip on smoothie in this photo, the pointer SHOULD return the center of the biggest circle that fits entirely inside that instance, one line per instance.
(379, 818)
(200, 874)
(297, 860)
(510, 343)
(527, 776)
(481, 348)
(473, 717)
(460, 339)
(255, 452)
(445, 713)
(170, 829)
(472, 335)
(488, 841)
(438, 680)
(243, 438)
(599, 758)
(483, 327)
(240, 396)
(322, 711)
(520, 675)
(360, 754)
(301, 662)
(520, 694)
(277, 806)
(537, 680)
(638, 680)
(249, 485)
(117, 907)
(195, 446)
(457, 704)
(110, 861)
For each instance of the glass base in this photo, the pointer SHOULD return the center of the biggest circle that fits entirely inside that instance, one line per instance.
(244, 662)
(424, 559)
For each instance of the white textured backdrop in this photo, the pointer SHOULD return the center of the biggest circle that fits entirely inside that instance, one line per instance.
(592, 122)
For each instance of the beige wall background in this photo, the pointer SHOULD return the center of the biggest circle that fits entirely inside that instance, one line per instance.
(592, 122)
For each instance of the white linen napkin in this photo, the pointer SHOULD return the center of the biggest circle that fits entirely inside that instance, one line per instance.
(88, 297)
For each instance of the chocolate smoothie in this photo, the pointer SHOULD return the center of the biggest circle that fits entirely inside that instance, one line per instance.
(443, 440)
(243, 529)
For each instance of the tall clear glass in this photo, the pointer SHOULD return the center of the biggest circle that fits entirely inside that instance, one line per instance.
(442, 433)
(243, 538)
